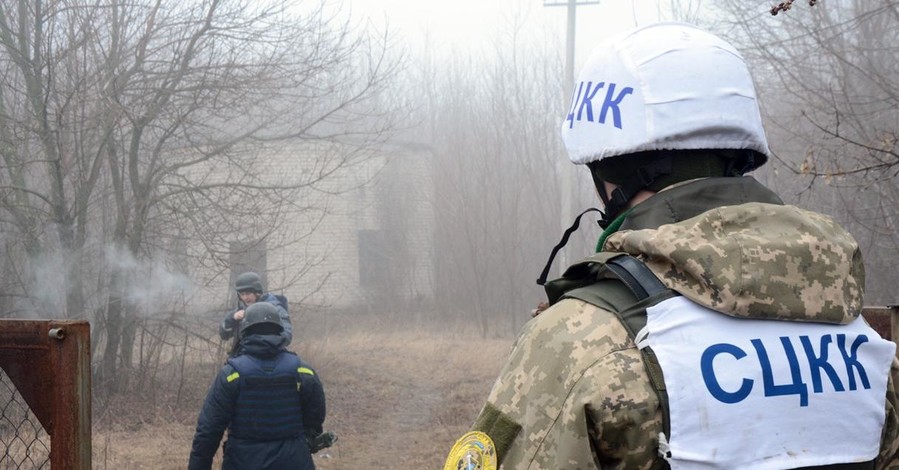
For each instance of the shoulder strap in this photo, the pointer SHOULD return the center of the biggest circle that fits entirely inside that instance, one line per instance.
(626, 287)
(639, 280)
(636, 276)
(239, 363)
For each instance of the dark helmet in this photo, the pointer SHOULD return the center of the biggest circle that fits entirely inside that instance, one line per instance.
(261, 318)
(248, 281)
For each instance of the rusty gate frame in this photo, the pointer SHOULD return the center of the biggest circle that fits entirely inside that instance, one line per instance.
(891, 312)
(49, 363)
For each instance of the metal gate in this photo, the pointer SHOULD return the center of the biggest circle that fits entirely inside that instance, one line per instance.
(885, 320)
(45, 394)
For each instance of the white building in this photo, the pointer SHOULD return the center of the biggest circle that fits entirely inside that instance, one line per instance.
(362, 241)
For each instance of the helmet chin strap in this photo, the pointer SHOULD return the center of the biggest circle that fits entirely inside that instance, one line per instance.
(614, 204)
(625, 191)
(552, 256)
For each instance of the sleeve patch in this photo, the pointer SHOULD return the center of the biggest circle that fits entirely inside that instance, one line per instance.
(233, 377)
(305, 370)
(501, 428)
(473, 450)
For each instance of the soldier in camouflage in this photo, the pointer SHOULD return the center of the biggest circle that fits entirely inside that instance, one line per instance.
(666, 119)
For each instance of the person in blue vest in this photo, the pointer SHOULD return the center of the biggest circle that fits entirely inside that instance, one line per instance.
(715, 327)
(270, 401)
(249, 291)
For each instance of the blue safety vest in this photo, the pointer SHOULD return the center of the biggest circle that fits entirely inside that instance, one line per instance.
(268, 402)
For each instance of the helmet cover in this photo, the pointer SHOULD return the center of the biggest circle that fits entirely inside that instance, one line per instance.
(668, 86)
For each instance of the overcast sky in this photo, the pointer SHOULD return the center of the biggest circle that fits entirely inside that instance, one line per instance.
(474, 23)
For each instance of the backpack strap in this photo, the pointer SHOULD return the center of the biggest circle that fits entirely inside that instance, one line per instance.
(636, 276)
(624, 286)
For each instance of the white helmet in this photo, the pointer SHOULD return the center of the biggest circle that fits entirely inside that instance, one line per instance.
(668, 86)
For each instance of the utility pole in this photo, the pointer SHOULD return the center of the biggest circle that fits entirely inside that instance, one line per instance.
(566, 171)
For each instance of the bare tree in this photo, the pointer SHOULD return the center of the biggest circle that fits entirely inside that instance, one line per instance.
(787, 5)
(494, 126)
(829, 79)
(138, 125)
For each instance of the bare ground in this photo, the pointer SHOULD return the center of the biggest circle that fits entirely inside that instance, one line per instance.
(395, 396)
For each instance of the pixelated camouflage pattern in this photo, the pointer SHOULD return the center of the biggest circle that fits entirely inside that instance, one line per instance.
(575, 381)
(756, 261)
(575, 365)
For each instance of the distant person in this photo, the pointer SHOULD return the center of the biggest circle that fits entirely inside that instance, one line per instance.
(270, 401)
(715, 327)
(249, 291)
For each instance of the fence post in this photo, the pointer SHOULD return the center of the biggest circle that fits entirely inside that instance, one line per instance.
(894, 324)
(70, 347)
(49, 363)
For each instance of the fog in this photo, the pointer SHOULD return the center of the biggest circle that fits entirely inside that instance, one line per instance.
(373, 158)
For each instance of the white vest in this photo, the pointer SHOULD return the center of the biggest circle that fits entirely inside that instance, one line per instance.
(764, 394)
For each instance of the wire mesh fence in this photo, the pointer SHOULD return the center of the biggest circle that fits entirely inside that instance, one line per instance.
(24, 444)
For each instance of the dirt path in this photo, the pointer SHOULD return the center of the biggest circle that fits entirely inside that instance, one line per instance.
(398, 398)
(402, 405)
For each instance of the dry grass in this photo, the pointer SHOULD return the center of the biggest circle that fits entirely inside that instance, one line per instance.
(395, 396)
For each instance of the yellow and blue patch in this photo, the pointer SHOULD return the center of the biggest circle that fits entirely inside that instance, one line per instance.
(473, 451)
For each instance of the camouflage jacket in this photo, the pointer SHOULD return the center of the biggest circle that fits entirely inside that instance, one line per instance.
(574, 393)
